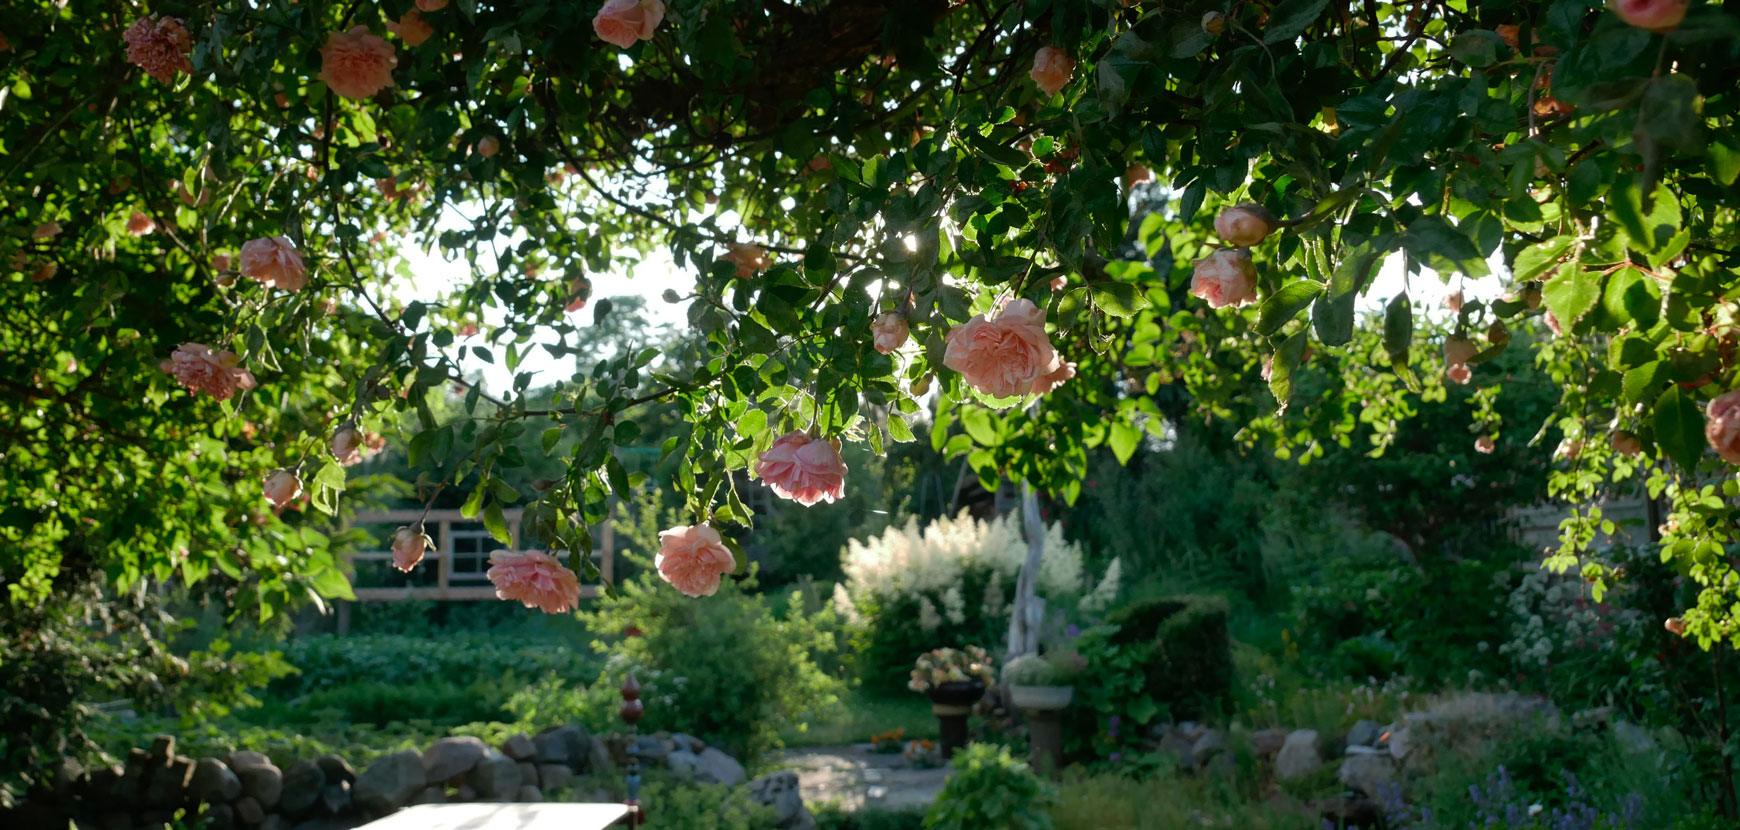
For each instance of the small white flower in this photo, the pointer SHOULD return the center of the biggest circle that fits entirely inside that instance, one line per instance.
(1534, 810)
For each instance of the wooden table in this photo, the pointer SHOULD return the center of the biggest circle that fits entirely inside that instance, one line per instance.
(502, 817)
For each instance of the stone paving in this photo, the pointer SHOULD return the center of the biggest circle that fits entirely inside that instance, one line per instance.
(856, 777)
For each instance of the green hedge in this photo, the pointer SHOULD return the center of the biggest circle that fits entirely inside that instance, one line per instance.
(1187, 665)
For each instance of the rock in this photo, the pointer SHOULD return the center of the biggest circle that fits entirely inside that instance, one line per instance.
(274, 821)
(718, 768)
(390, 782)
(334, 798)
(449, 757)
(466, 793)
(213, 782)
(245, 758)
(528, 773)
(597, 759)
(1365, 772)
(1298, 756)
(563, 745)
(496, 777)
(162, 748)
(683, 764)
(1364, 733)
(302, 783)
(430, 795)
(780, 791)
(1265, 743)
(529, 794)
(248, 810)
(219, 816)
(336, 769)
(1364, 750)
(1351, 812)
(651, 750)
(554, 776)
(1191, 730)
(1208, 744)
(263, 782)
(167, 786)
(520, 748)
(1399, 743)
(688, 742)
(1174, 743)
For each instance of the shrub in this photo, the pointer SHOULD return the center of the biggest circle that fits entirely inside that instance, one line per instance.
(1188, 662)
(678, 806)
(990, 789)
(724, 669)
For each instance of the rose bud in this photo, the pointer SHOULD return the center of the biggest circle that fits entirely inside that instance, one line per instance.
(281, 487)
(1660, 16)
(1214, 23)
(346, 444)
(1245, 224)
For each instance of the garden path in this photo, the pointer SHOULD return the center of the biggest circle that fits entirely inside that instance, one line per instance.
(856, 777)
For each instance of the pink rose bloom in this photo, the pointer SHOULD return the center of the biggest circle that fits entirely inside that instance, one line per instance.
(1044, 385)
(1051, 69)
(139, 224)
(1225, 277)
(890, 330)
(1655, 15)
(622, 22)
(1137, 173)
(409, 543)
(1006, 355)
(1485, 445)
(221, 262)
(1454, 301)
(274, 262)
(200, 369)
(747, 256)
(1459, 350)
(46, 230)
(1723, 426)
(1625, 443)
(431, 5)
(412, 28)
(346, 445)
(803, 469)
(1245, 224)
(159, 46)
(357, 64)
(281, 487)
(1675, 626)
(1059, 282)
(1459, 373)
(488, 146)
(693, 559)
(534, 578)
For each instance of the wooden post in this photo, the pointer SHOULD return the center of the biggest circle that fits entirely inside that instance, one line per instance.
(444, 554)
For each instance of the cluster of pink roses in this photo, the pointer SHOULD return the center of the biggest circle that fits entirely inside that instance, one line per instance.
(1007, 354)
(1228, 276)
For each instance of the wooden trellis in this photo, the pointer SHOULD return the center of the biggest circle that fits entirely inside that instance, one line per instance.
(459, 560)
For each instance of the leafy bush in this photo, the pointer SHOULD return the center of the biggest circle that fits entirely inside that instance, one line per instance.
(990, 789)
(1188, 660)
(726, 670)
(673, 805)
(327, 661)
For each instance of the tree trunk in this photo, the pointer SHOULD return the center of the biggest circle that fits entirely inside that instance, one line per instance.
(1029, 610)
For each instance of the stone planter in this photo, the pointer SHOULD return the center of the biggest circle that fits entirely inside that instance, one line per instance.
(951, 703)
(1042, 707)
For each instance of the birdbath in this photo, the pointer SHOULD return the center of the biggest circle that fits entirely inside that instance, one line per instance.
(1043, 708)
(951, 703)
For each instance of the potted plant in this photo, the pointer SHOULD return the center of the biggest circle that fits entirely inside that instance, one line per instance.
(1035, 683)
(954, 680)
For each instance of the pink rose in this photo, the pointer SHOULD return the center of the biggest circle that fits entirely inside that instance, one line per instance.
(1005, 355)
(274, 262)
(1722, 428)
(357, 64)
(1485, 445)
(622, 22)
(1675, 626)
(1655, 15)
(1051, 69)
(409, 543)
(1458, 349)
(534, 578)
(693, 559)
(1137, 173)
(281, 487)
(221, 262)
(1459, 373)
(1454, 301)
(1059, 282)
(1225, 277)
(139, 224)
(1625, 443)
(803, 469)
(488, 146)
(1245, 224)
(747, 256)
(160, 47)
(412, 28)
(346, 445)
(1063, 372)
(431, 5)
(216, 373)
(890, 330)
(1553, 324)
(46, 230)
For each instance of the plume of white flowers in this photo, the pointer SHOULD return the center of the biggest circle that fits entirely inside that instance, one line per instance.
(845, 607)
(1105, 593)
(954, 608)
(993, 606)
(928, 619)
(907, 561)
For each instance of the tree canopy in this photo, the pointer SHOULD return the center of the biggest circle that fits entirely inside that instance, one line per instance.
(1191, 195)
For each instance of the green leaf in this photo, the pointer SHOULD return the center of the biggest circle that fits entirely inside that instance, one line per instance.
(1540, 257)
(328, 484)
(1398, 327)
(1118, 299)
(1291, 17)
(1477, 47)
(1571, 294)
(1333, 314)
(1285, 304)
(1631, 296)
(330, 582)
(1641, 382)
(1725, 159)
(980, 426)
(752, 424)
(899, 429)
(496, 523)
(1443, 248)
(1123, 440)
(1679, 428)
(1284, 364)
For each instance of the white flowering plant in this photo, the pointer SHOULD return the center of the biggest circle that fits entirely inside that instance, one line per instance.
(951, 665)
